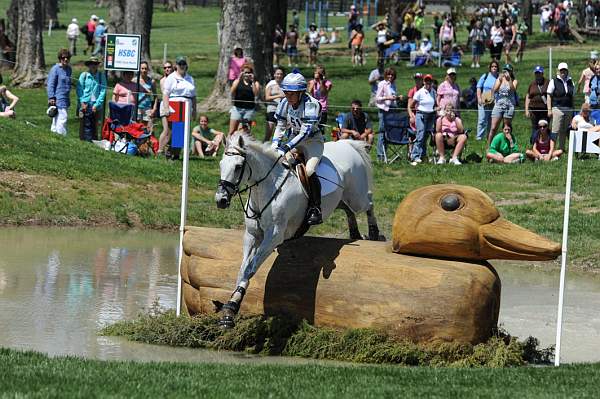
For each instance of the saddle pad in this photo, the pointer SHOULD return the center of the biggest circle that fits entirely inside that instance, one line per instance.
(328, 176)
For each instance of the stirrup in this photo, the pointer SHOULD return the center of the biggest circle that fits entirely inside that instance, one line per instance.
(314, 216)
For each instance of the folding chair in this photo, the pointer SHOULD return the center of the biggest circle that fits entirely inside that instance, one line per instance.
(396, 133)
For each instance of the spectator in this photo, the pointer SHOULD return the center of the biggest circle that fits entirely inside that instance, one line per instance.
(278, 37)
(323, 37)
(418, 23)
(8, 101)
(589, 14)
(535, 100)
(59, 88)
(166, 132)
(560, 103)
(125, 91)
(206, 140)
(90, 28)
(72, 35)
(497, 40)
(383, 35)
(179, 85)
(412, 107)
(448, 92)
(594, 88)
(468, 97)
(295, 19)
(504, 92)
(424, 100)
(375, 77)
(477, 38)
(545, 19)
(485, 100)
(319, 87)
(357, 125)
(543, 145)
(405, 49)
(447, 32)
(290, 44)
(583, 121)
(244, 91)
(235, 64)
(521, 41)
(562, 26)
(449, 131)
(312, 40)
(352, 19)
(385, 100)
(436, 26)
(147, 99)
(356, 41)
(424, 52)
(99, 38)
(510, 35)
(273, 95)
(586, 75)
(504, 148)
(91, 91)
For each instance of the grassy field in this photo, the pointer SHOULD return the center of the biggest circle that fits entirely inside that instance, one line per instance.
(28, 374)
(51, 180)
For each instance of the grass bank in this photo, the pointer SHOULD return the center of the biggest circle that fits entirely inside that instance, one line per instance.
(28, 374)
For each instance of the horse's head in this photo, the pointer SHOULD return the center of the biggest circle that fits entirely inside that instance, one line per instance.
(234, 170)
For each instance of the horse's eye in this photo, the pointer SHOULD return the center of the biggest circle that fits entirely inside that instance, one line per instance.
(238, 167)
(450, 202)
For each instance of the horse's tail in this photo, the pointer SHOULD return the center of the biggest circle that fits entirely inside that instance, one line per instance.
(361, 148)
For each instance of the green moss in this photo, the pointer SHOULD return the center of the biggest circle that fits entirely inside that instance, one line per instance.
(281, 336)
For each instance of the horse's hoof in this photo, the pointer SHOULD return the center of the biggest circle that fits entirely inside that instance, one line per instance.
(356, 236)
(381, 238)
(227, 322)
(218, 306)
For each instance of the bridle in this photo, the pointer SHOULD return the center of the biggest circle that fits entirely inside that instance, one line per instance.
(233, 189)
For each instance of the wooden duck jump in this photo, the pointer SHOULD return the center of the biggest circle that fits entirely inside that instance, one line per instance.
(345, 283)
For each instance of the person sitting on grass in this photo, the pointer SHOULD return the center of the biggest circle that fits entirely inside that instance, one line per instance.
(449, 131)
(543, 145)
(504, 148)
(357, 125)
(8, 101)
(206, 140)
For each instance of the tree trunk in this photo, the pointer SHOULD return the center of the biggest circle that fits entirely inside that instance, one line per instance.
(116, 16)
(397, 9)
(244, 23)
(51, 12)
(30, 66)
(12, 17)
(134, 17)
(527, 15)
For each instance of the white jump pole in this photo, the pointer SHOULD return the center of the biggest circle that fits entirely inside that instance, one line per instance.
(165, 53)
(563, 263)
(184, 195)
(550, 62)
(50, 28)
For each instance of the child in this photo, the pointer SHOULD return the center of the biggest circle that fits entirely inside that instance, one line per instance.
(543, 145)
(206, 140)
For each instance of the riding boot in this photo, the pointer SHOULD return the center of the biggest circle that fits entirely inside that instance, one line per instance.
(314, 201)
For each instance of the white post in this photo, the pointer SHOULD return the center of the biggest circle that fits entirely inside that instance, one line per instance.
(50, 28)
(184, 195)
(563, 263)
(550, 73)
(440, 52)
(165, 53)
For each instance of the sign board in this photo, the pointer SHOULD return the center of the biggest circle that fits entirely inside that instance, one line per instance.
(123, 52)
(176, 111)
(587, 142)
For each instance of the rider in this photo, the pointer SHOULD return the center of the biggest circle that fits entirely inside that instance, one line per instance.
(297, 118)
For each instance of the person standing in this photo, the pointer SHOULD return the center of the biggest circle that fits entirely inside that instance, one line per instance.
(319, 88)
(235, 64)
(273, 95)
(244, 91)
(448, 92)
(385, 100)
(510, 35)
(504, 92)
(91, 91)
(375, 76)
(477, 37)
(560, 103)
(522, 29)
(147, 98)
(59, 89)
(72, 35)
(535, 99)
(497, 40)
(411, 108)
(485, 100)
(99, 39)
(166, 132)
(312, 40)
(90, 28)
(425, 119)
(586, 75)
(290, 43)
(352, 19)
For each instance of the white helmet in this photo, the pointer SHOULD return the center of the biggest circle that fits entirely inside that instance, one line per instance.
(294, 82)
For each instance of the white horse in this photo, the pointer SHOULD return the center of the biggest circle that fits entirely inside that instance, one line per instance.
(276, 205)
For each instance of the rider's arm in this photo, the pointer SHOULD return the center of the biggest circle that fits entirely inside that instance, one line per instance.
(281, 125)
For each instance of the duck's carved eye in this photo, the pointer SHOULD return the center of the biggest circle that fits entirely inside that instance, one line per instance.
(450, 202)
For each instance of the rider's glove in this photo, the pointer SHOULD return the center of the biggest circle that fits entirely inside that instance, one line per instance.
(281, 151)
(275, 145)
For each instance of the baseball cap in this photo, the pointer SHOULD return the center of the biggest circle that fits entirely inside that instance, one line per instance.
(451, 70)
(507, 67)
(94, 17)
(181, 60)
(542, 122)
(563, 65)
(428, 76)
(538, 68)
(74, 20)
(418, 75)
(593, 55)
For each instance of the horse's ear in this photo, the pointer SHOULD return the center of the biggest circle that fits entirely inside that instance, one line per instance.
(241, 141)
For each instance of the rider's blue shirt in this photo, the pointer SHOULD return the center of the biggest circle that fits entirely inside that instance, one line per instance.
(298, 123)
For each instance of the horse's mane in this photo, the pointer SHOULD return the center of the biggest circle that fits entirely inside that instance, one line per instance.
(251, 143)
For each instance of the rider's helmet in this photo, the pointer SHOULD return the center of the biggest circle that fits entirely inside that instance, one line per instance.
(293, 82)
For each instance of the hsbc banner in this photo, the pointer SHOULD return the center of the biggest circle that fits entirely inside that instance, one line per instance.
(122, 52)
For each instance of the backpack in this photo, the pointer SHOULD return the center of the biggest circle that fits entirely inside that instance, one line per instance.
(83, 29)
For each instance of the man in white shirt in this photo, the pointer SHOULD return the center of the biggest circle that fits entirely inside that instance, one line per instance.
(72, 35)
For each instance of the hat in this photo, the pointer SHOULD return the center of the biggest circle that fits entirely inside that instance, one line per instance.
(425, 39)
(101, 22)
(428, 76)
(542, 122)
(418, 75)
(538, 69)
(403, 38)
(181, 60)
(593, 55)
(74, 20)
(451, 70)
(94, 17)
(507, 67)
(586, 107)
(293, 81)
(92, 60)
(563, 65)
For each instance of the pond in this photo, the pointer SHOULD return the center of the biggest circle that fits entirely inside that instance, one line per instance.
(59, 286)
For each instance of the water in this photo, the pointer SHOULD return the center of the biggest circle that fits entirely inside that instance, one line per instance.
(58, 287)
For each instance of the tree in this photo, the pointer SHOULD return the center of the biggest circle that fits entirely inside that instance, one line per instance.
(51, 12)
(248, 24)
(30, 66)
(132, 16)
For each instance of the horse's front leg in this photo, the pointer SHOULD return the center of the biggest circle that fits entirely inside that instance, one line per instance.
(372, 221)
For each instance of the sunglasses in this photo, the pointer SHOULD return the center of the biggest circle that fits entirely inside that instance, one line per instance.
(65, 58)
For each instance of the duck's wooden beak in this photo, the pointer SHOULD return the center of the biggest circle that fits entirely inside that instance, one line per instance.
(502, 239)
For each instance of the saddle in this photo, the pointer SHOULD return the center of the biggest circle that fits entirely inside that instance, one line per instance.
(300, 163)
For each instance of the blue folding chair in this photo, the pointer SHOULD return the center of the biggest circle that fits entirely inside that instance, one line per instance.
(396, 133)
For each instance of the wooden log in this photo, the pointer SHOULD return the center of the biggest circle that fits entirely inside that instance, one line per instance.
(347, 284)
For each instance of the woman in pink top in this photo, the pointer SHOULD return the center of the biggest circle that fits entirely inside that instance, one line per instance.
(447, 32)
(449, 131)
(448, 92)
(319, 88)
(235, 64)
(125, 91)
(585, 77)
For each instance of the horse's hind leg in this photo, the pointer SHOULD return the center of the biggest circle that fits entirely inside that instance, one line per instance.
(372, 221)
(352, 224)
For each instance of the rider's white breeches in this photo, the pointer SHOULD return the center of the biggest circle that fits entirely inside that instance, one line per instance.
(312, 148)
